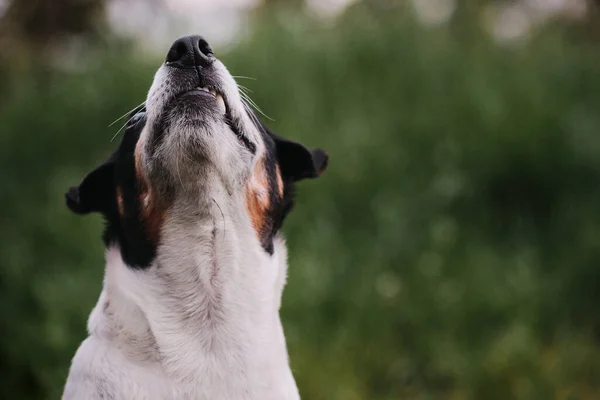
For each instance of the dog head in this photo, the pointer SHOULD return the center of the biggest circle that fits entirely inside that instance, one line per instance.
(194, 137)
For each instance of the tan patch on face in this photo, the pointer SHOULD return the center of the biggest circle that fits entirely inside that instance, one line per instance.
(257, 198)
(153, 219)
(152, 209)
(141, 176)
(120, 204)
(279, 181)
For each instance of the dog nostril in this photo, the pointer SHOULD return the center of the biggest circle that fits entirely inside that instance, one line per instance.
(177, 52)
(205, 48)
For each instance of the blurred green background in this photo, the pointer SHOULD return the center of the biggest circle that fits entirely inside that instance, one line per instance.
(452, 249)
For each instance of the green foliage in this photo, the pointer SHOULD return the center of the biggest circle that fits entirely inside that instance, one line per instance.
(449, 252)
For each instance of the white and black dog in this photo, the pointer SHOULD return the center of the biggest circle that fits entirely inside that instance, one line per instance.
(194, 199)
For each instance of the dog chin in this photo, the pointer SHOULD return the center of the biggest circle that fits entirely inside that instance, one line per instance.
(189, 111)
(193, 146)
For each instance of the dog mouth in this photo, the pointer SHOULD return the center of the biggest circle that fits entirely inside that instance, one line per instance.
(209, 93)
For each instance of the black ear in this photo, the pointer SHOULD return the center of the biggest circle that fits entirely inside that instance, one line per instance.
(96, 193)
(297, 162)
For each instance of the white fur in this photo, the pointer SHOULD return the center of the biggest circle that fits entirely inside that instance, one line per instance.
(202, 322)
(149, 340)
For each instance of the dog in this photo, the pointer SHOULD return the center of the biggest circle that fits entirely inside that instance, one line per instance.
(194, 199)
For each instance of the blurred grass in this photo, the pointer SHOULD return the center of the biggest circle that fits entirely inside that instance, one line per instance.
(449, 252)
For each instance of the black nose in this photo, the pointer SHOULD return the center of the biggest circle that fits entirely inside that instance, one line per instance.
(190, 51)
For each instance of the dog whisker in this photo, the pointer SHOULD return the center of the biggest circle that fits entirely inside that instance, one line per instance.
(253, 116)
(126, 114)
(245, 88)
(245, 96)
(122, 126)
(119, 131)
(244, 77)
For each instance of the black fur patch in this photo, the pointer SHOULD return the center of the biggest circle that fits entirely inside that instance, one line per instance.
(295, 163)
(100, 191)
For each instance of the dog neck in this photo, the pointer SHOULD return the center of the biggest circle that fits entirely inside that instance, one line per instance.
(207, 309)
